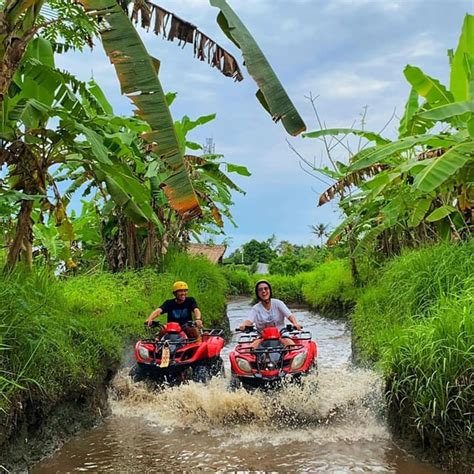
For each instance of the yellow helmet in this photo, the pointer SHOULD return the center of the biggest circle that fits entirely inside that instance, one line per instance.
(180, 285)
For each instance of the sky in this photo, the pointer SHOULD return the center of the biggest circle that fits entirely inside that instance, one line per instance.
(349, 54)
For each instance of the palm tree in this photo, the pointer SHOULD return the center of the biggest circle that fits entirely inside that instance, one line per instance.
(320, 231)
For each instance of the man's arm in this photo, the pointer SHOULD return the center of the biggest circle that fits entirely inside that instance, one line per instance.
(153, 315)
(197, 317)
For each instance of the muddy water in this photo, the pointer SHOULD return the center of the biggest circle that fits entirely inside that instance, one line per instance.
(332, 424)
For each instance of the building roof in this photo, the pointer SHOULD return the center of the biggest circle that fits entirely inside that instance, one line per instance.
(213, 252)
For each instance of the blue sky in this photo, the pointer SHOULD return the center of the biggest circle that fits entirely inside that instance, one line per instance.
(349, 53)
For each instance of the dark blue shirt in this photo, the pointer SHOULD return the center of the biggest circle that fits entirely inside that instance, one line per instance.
(179, 312)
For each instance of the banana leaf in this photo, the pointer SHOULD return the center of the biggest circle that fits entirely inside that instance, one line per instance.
(444, 166)
(271, 93)
(370, 136)
(431, 89)
(411, 123)
(136, 72)
(419, 211)
(448, 111)
(379, 154)
(440, 213)
(461, 74)
(168, 25)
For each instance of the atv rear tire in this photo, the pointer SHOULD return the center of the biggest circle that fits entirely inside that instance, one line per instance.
(201, 374)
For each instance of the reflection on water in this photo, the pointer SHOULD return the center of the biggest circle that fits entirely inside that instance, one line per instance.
(333, 422)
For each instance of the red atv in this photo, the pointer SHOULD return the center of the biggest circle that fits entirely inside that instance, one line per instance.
(264, 359)
(175, 358)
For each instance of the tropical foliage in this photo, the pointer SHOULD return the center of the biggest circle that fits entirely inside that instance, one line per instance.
(146, 190)
(417, 188)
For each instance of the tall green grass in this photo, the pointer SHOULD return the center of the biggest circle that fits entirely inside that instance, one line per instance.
(328, 288)
(239, 282)
(408, 288)
(284, 287)
(430, 374)
(417, 322)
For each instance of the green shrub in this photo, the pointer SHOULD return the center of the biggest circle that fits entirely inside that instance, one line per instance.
(329, 288)
(284, 287)
(239, 282)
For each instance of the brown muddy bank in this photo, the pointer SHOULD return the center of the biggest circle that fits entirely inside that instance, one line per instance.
(36, 426)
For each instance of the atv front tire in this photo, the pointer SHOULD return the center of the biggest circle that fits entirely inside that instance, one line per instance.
(137, 373)
(201, 374)
(217, 368)
(234, 384)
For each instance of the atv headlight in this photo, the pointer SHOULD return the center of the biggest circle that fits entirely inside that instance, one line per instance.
(243, 365)
(143, 352)
(298, 361)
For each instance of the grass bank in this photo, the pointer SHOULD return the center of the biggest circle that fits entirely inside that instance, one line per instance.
(416, 322)
(60, 339)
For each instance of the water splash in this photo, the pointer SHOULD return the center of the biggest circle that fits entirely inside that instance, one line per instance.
(336, 402)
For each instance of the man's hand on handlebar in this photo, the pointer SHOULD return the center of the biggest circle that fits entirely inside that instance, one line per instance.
(198, 323)
(246, 328)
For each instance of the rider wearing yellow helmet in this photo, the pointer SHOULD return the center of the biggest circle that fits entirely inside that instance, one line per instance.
(180, 309)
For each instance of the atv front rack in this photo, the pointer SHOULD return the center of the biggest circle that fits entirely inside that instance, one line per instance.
(266, 350)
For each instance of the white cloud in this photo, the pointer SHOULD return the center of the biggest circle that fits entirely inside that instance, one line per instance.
(342, 84)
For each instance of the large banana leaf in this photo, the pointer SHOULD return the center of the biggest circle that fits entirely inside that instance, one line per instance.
(419, 211)
(450, 110)
(431, 89)
(136, 72)
(379, 154)
(271, 93)
(462, 62)
(444, 166)
(411, 123)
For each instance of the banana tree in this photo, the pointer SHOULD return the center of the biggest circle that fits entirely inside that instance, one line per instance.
(420, 186)
(137, 71)
(32, 146)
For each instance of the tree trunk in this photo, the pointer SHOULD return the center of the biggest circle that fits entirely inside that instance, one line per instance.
(22, 245)
(354, 271)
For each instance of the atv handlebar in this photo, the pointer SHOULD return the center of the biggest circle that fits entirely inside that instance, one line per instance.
(154, 324)
(247, 329)
(157, 324)
(287, 328)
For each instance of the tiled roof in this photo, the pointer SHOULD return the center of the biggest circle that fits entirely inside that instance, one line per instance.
(213, 252)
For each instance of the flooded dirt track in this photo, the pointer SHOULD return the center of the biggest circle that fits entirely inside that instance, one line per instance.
(330, 423)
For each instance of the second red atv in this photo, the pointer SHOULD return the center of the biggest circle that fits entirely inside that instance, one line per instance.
(264, 359)
(171, 356)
